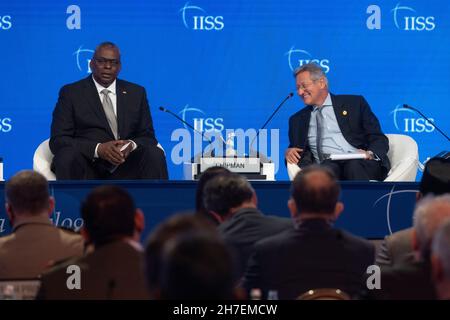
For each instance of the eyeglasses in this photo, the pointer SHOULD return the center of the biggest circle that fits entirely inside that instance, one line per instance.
(304, 86)
(104, 61)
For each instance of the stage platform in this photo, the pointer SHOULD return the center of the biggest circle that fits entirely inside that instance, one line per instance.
(372, 209)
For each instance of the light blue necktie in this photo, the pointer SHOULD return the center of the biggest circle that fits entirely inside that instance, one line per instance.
(319, 125)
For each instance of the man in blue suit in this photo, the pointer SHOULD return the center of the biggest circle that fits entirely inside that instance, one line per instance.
(335, 124)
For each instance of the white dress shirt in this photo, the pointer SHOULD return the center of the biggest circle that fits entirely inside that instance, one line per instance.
(113, 96)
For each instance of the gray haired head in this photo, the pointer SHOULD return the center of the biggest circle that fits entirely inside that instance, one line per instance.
(441, 247)
(316, 72)
(430, 213)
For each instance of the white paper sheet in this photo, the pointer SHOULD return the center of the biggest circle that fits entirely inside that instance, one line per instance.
(347, 156)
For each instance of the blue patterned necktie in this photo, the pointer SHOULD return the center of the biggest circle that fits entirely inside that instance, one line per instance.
(319, 124)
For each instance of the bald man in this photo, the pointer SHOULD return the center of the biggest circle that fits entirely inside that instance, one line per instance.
(314, 254)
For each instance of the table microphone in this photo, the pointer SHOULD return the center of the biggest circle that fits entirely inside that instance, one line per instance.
(290, 95)
(195, 130)
(185, 122)
(428, 120)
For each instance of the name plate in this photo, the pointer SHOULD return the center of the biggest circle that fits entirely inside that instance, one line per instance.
(240, 165)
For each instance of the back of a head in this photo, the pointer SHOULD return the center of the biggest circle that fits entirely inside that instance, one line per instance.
(315, 190)
(108, 213)
(197, 267)
(436, 177)
(225, 192)
(204, 178)
(163, 233)
(441, 247)
(27, 192)
(429, 214)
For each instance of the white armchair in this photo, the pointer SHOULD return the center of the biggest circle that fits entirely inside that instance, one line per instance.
(292, 169)
(43, 156)
(403, 155)
(42, 160)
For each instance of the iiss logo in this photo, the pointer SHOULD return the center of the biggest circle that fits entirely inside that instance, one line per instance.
(5, 22)
(201, 123)
(299, 57)
(406, 18)
(196, 18)
(389, 197)
(5, 124)
(83, 58)
(405, 121)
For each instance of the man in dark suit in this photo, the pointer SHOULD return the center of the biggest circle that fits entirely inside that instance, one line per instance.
(440, 261)
(102, 127)
(114, 268)
(335, 124)
(197, 266)
(35, 243)
(207, 175)
(412, 279)
(164, 233)
(232, 201)
(314, 254)
(398, 247)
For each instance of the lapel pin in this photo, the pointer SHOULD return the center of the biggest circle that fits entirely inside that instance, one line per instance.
(124, 92)
(344, 113)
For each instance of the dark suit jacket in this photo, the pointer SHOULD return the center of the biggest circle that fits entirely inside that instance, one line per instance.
(246, 227)
(314, 255)
(359, 126)
(112, 271)
(79, 120)
(405, 281)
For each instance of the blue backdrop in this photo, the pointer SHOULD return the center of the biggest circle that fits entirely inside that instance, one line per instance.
(226, 63)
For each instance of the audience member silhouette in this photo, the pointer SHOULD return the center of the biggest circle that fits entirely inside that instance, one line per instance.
(197, 266)
(397, 247)
(167, 230)
(114, 269)
(232, 200)
(440, 261)
(412, 280)
(314, 254)
(204, 178)
(35, 243)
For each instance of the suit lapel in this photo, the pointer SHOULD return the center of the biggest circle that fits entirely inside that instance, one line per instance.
(121, 93)
(94, 101)
(306, 118)
(338, 108)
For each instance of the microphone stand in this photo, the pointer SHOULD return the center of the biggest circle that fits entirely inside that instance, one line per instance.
(290, 95)
(431, 122)
(190, 126)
